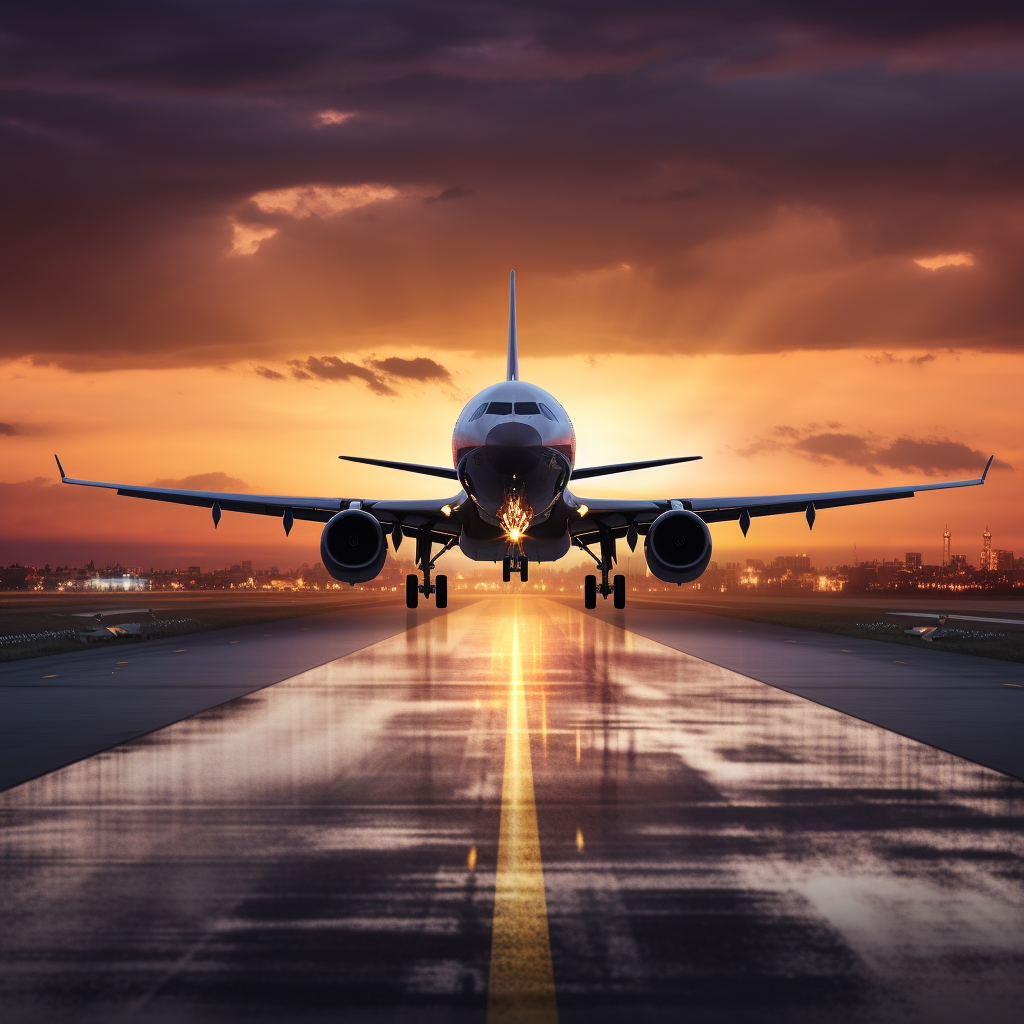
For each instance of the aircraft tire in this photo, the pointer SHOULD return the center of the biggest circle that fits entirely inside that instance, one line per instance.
(412, 590)
(524, 572)
(506, 570)
(589, 591)
(619, 591)
(441, 591)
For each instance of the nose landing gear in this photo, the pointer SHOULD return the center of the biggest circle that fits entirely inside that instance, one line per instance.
(515, 564)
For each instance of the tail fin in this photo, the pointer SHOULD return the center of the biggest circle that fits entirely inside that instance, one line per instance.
(513, 342)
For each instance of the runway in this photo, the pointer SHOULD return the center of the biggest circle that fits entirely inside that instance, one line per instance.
(515, 812)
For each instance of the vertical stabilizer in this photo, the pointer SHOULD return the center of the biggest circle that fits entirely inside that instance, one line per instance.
(513, 342)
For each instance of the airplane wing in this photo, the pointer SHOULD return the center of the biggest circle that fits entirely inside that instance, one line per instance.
(629, 467)
(411, 514)
(620, 516)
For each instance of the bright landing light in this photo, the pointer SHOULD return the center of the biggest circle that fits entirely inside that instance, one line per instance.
(515, 516)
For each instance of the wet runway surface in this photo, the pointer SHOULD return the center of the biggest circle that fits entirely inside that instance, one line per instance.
(515, 812)
(63, 707)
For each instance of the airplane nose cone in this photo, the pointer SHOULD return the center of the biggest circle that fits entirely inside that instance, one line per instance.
(513, 435)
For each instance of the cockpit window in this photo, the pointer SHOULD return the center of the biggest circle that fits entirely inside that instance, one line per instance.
(547, 412)
(499, 409)
(527, 409)
(478, 413)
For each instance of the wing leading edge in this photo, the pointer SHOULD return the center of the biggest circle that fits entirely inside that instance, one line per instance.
(716, 510)
(408, 513)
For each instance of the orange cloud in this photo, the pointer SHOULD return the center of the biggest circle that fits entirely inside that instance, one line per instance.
(950, 259)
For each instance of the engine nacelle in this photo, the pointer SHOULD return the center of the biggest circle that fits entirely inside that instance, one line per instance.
(678, 546)
(352, 546)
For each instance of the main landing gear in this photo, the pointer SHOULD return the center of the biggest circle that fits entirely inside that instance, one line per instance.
(517, 564)
(591, 588)
(426, 562)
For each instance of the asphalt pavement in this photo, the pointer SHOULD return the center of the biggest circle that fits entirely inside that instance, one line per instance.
(515, 811)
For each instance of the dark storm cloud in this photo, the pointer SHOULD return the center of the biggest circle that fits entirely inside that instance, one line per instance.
(722, 151)
(929, 455)
(269, 374)
(9, 430)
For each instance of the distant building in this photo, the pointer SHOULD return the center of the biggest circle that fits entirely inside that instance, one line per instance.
(732, 565)
(958, 563)
(247, 566)
(913, 560)
(1002, 560)
(194, 570)
(795, 563)
(946, 541)
(755, 563)
(986, 551)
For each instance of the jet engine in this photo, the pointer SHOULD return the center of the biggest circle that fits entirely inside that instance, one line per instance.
(678, 546)
(352, 546)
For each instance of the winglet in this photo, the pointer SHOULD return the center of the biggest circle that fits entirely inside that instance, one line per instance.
(513, 341)
(63, 475)
(988, 466)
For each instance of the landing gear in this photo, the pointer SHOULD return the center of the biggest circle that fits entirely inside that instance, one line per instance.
(591, 588)
(515, 564)
(426, 562)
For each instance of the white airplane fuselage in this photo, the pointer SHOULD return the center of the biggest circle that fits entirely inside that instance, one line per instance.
(514, 449)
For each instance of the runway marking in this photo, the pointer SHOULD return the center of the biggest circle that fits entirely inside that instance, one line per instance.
(53, 676)
(1016, 686)
(522, 982)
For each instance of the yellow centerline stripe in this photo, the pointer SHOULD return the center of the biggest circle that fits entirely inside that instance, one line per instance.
(522, 984)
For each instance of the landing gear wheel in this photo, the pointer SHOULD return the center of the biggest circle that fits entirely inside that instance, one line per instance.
(441, 591)
(524, 570)
(589, 591)
(412, 590)
(506, 570)
(619, 591)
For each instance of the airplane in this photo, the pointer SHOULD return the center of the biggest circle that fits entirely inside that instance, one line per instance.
(98, 632)
(514, 457)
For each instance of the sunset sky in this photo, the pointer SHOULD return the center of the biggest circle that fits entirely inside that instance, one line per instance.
(242, 239)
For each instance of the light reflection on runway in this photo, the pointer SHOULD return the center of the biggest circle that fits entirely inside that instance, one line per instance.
(326, 848)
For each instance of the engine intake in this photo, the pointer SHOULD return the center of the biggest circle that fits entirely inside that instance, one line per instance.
(352, 546)
(678, 546)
